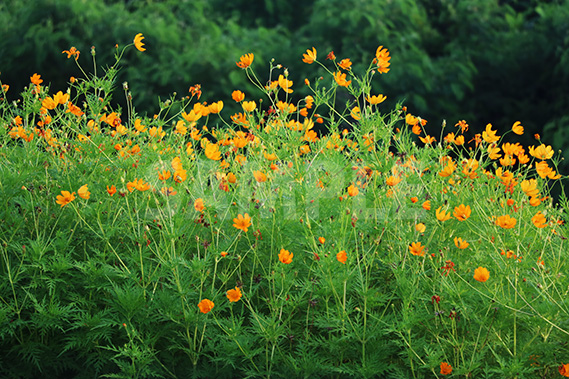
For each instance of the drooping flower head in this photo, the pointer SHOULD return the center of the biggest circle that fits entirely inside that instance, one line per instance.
(138, 42)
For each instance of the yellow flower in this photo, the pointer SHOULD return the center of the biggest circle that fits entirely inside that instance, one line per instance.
(65, 198)
(260, 176)
(341, 79)
(481, 274)
(285, 256)
(249, 106)
(356, 113)
(285, 84)
(242, 222)
(506, 222)
(416, 249)
(462, 212)
(518, 128)
(216, 107)
(234, 295)
(542, 152)
(420, 227)
(310, 56)
(205, 306)
(245, 60)
(539, 220)
(442, 215)
(460, 243)
(138, 42)
(83, 192)
(489, 135)
(374, 100)
(342, 257)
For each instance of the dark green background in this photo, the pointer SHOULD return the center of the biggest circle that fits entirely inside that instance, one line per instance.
(483, 61)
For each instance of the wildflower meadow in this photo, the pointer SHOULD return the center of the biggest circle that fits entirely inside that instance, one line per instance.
(314, 236)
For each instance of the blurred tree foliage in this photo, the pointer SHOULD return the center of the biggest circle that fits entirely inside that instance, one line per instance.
(484, 61)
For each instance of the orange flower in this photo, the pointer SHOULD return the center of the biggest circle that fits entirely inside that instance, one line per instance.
(234, 295)
(72, 52)
(260, 176)
(382, 60)
(416, 249)
(138, 42)
(345, 64)
(137, 184)
(65, 198)
(223, 253)
(199, 205)
(353, 190)
(321, 240)
(83, 192)
(460, 243)
(111, 191)
(481, 274)
(446, 369)
(442, 215)
(342, 257)
(462, 125)
(539, 220)
(489, 135)
(36, 79)
(164, 175)
(427, 139)
(564, 370)
(341, 79)
(285, 256)
(426, 205)
(310, 56)
(518, 128)
(205, 306)
(212, 152)
(392, 181)
(462, 212)
(245, 60)
(237, 95)
(242, 222)
(506, 222)
(168, 191)
(414, 199)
